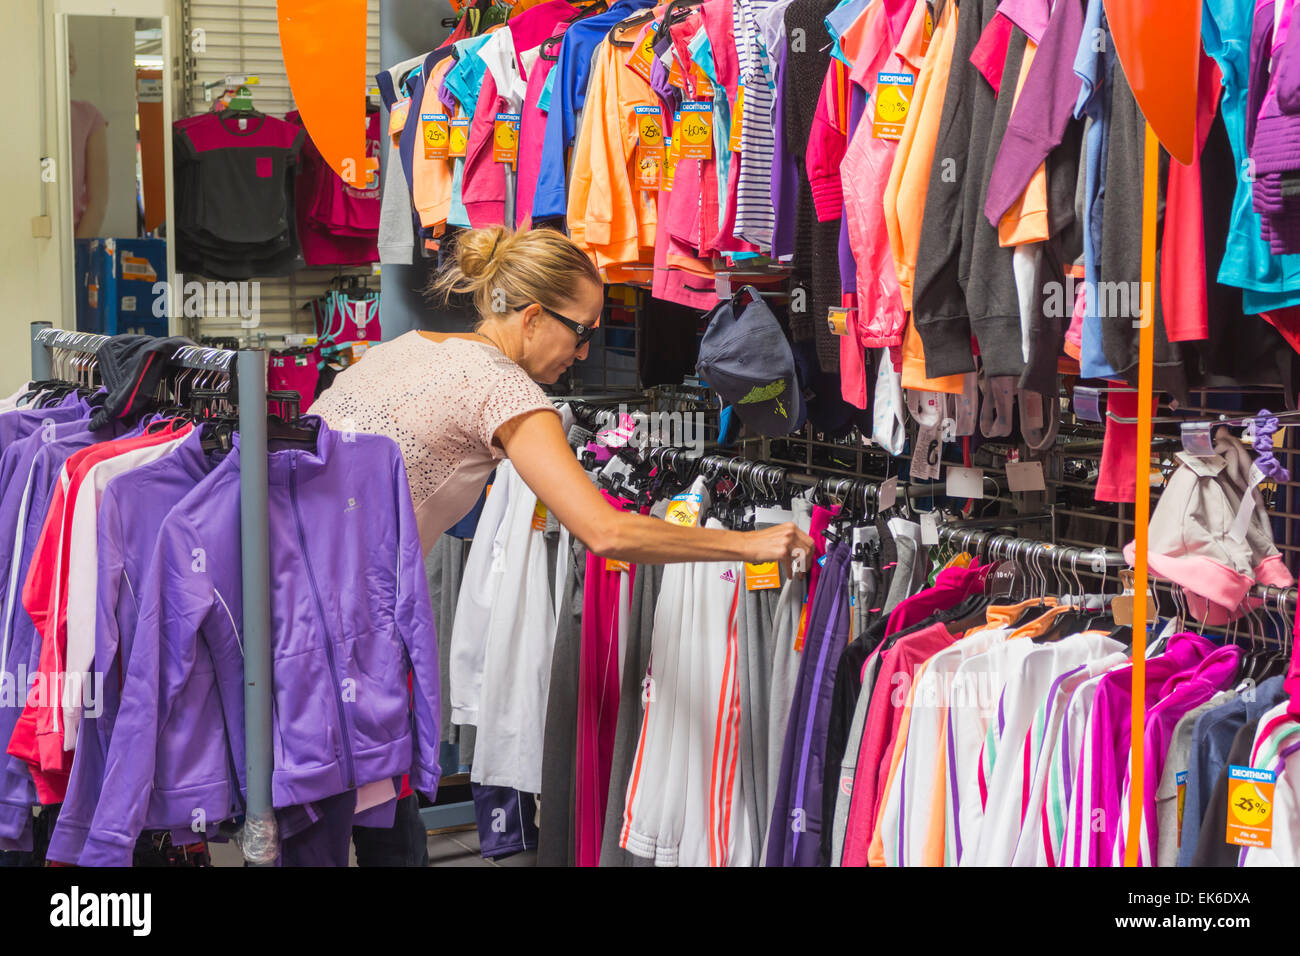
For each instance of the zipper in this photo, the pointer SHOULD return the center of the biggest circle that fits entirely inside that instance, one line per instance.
(344, 725)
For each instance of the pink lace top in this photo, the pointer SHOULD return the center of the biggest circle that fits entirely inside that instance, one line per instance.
(442, 402)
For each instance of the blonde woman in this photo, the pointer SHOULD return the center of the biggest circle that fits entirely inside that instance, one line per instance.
(458, 402)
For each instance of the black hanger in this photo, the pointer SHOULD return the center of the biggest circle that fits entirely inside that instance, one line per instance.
(635, 19)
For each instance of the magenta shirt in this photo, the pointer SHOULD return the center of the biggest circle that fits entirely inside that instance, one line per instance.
(1109, 738)
(1183, 692)
(951, 587)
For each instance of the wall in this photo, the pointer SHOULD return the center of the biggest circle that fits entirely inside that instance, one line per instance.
(28, 266)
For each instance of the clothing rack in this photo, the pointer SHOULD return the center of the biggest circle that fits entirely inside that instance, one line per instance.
(259, 840)
(1098, 560)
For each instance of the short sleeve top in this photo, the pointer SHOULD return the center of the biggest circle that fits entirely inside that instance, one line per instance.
(442, 402)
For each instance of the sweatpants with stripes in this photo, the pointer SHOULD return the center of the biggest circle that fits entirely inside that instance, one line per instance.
(684, 803)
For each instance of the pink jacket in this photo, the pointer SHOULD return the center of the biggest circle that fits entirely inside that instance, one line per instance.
(864, 172)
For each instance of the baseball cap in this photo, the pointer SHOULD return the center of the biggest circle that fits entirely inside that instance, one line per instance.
(745, 358)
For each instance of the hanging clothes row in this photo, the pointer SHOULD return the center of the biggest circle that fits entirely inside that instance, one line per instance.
(123, 618)
(898, 704)
(881, 154)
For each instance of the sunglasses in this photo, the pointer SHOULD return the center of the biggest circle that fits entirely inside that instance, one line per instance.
(583, 332)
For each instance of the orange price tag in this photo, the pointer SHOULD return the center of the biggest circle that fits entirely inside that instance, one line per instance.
(737, 117)
(612, 565)
(459, 137)
(703, 85)
(696, 131)
(650, 145)
(893, 97)
(642, 57)
(1250, 806)
(397, 116)
(505, 138)
(762, 577)
(434, 133)
(539, 517)
(671, 152)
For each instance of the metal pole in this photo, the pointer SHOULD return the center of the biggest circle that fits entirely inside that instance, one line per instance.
(40, 354)
(260, 844)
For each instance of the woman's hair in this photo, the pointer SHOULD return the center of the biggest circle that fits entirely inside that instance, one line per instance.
(503, 270)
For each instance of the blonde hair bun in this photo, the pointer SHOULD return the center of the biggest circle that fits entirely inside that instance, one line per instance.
(503, 270)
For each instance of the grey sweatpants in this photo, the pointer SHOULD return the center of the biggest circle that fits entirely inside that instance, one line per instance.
(555, 843)
(443, 565)
(784, 675)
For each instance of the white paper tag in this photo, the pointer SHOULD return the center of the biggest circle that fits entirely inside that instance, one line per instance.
(1025, 476)
(128, 303)
(965, 482)
(929, 527)
(1238, 530)
(888, 493)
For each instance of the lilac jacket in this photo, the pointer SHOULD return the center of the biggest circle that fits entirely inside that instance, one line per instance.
(29, 501)
(127, 535)
(350, 617)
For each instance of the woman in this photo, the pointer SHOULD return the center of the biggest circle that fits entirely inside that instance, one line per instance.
(457, 403)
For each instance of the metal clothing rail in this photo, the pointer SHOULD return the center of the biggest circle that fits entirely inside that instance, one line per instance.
(1058, 557)
(260, 844)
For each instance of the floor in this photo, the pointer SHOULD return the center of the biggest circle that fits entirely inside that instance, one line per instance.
(455, 848)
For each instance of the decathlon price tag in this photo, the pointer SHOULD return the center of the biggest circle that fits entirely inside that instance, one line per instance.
(685, 509)
(929, 527)
(672, 150)
(1197, 439)
(838, 320)
(397, 116)
(612, 565)
(642, 57)
(1087, 403)
(1025, 476)
(703, 85)
(1181, 779)
(696, 131)
(1250, 806)
(965, 482)
(459, 137)
(893, 97)
(505, 138)
(1247, 507)
(888, 494)
(539, 517)
(434, 132)
(762, 577)
(649, 146)
(737, 116)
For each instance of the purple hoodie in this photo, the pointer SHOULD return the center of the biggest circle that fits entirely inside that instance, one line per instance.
(127, 535)
(350, 617)
(21, 649)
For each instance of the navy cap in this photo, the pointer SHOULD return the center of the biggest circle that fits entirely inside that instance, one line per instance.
(745, 358)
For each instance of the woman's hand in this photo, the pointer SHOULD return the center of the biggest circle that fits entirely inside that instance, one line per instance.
(783, 542)
(541, 455)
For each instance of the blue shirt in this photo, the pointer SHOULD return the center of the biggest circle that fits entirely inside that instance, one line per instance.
(1269, 281)
(1094, 68)
(569, 92)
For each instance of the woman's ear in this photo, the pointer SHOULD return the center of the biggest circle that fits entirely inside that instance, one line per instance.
(529, 316)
